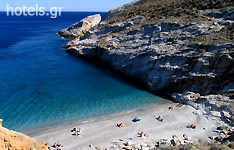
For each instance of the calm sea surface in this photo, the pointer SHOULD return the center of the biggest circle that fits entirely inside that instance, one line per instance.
(41, 85)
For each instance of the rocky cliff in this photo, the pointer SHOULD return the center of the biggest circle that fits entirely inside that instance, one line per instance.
(11, 140)
(80, 28)
(182, 48)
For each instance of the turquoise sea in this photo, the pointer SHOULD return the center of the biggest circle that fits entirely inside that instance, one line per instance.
(42, 85)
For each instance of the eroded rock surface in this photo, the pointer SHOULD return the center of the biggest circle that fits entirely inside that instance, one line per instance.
(164, 55)
(11, 140)
(80, 28)
(189, 60)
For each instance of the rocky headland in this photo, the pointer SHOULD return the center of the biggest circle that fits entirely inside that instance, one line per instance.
(81, 27)
(12, 140)
(183, 49)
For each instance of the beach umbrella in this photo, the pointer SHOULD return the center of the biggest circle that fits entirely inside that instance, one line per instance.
(137, 118)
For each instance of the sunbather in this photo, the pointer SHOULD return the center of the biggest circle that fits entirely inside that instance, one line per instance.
(159, 119)
(141, 134)
(179, 105)
(74, 129)
(170, 108)
(55, 145)
(193, 126)
(120, 125)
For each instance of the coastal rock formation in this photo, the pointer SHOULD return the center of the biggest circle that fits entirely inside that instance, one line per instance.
(173, 47)
(173, 143)
(215, 106)
(11, 140)
(80, 28)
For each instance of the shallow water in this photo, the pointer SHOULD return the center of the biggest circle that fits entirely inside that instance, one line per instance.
(41, 85)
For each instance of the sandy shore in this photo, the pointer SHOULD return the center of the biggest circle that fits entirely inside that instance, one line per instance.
(102, 133)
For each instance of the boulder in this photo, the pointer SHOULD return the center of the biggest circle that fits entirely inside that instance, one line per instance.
(231, 137)
(127, 147)
(80, 28)
(128, 143)
(185, 136)
(175, 140)
(186, 97)
(97, 148)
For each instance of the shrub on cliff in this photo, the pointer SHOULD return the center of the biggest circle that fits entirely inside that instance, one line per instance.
(183, 10)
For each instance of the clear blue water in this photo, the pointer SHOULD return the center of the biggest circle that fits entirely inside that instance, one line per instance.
(41, 85)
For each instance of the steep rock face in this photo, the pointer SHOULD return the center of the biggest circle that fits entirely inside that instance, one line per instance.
(213, 106)
(80, 28)
(11, 140)
(165, 55)
(173, 57)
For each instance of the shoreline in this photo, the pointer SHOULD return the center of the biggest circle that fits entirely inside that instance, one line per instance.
(53, 126)
(103, 132)
(47, 128)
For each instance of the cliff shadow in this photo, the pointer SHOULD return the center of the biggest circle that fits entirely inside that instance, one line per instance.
(121, 77)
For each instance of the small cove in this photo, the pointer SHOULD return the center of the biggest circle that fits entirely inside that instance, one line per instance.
(42, 85)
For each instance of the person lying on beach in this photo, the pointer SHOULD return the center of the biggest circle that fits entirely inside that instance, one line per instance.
(120, 125)
(59, 147)
(179, 105)
(193, 126)
(170, 108)
(56, 146)
(74, 129)
(141, 134)
(159, 119)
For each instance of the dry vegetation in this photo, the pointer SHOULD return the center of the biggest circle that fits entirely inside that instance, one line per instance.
(103, 42)
(183, 10)
(225, 35)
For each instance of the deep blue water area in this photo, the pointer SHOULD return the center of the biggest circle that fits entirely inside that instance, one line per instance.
(41, 84)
